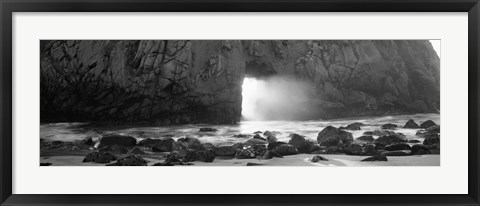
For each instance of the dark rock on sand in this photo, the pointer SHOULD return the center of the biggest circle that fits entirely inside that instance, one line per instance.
(225, 151)
(253, 164)
(413, 141)
(432, 139)
(303, 145)
(273, 145)
(114, 149)
(285, 149)
(165, 144)
(99, 157)
(318, 158)
(202, 156)
(131, 160)
(333, 150)
(353, 149)
(126, 141)
(389, 139)
(45, 163)
(245, 154)
(375, 158)
(271, 154)
(397, 153)
(398, 146)
(207, 129)
(419, 149)
(271, 139)
(411, 124)
(389, 126)
(369, 149)
(332, 136)
(365, 138)
(137, 150)
(427, 124)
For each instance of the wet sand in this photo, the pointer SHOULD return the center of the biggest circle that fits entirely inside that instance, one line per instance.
(292, 160)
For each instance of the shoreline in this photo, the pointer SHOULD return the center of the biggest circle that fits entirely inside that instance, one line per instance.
(291, 160)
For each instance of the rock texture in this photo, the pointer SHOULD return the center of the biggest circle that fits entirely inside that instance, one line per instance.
(182, 81)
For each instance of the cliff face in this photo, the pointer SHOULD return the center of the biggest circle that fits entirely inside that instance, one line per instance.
(198, 81)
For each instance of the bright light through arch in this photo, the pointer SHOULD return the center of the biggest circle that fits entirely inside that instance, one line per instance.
(250, 95)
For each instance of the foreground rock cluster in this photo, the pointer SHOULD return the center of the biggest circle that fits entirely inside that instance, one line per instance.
(121, 150)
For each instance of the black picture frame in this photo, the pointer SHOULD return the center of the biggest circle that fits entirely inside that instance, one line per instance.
(7, 8)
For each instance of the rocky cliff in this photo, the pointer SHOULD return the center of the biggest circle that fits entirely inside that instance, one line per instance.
(198, 81)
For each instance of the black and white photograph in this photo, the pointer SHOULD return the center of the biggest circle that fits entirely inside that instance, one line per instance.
(266, 102)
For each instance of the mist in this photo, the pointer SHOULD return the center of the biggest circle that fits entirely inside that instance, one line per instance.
(274, 98)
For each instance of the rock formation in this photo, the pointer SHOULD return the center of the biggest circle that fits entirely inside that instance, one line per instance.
(199, 81)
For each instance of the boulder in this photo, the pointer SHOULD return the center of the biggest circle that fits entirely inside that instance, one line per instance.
(202, 156)
(434, 149)
(318, 158)
(375, 158)
(245, 154)
(369, 149)
(433, 129)
(353, 126)
(115, 139)
(225, 151)
(132, 160)
(285, 149)
(209, 146)
(273, 145)
(419, 149)
(271, 139)
(137, 150)
(99, 157)
(411, 124)
(333, 150)
(191, 143)
(271, 154)
(148, 142)
(398, 146)
(389, 126)
(300, 143)
(432, 139)
(114, 149)
(427, 124)
(207, 129)
(365, 138)
(389, 139)
(259, 149)
(397, 153)
(413, 141)
(332, 136)
(353, 149)
(165, 144)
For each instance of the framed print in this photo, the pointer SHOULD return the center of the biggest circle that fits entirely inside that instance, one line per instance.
(252, 103)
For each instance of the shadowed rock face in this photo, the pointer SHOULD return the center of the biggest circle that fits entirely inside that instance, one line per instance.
(177, 82)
